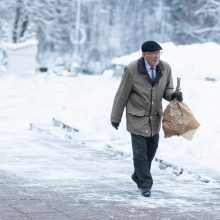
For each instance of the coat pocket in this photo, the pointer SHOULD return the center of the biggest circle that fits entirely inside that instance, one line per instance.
(136, 112)
(138, 122)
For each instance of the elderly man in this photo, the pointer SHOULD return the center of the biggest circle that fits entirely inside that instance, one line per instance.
(144, 83)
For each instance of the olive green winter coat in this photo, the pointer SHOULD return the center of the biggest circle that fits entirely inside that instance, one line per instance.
(142, 97)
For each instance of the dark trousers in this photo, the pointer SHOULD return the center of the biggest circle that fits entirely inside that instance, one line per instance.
(144, 150)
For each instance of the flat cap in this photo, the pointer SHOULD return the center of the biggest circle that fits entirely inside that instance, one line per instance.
(150, 46)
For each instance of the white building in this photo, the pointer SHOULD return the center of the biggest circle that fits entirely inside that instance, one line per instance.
(21, 57)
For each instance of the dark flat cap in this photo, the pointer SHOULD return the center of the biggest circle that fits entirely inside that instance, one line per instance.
(150, 46)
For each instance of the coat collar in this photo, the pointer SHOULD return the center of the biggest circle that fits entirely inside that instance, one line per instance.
(159, 71)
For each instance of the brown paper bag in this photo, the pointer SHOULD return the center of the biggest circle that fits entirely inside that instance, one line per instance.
(178, 119)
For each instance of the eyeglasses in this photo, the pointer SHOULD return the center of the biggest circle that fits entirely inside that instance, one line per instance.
(154, 53)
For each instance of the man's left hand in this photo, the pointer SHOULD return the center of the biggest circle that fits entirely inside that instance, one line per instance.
(178, 96)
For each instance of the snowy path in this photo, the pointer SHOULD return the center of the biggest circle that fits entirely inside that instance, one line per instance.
(80, 174)
(44, 177)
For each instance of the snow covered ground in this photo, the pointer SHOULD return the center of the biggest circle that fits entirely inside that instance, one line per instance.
(85, 102)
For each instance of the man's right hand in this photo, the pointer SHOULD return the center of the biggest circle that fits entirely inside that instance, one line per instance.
(115, 125)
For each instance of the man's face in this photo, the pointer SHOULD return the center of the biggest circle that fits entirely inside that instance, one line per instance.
(152, 57)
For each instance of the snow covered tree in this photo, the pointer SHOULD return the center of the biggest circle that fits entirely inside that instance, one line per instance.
(20, 22)
(108, 28)
(195, 21)
(7, 11)
(53, 21)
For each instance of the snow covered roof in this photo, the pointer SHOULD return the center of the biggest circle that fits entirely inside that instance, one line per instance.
(17, 46)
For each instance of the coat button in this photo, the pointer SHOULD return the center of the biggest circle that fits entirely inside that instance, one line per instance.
(146, 131)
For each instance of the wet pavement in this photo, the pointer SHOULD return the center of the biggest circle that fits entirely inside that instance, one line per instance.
(46, 178)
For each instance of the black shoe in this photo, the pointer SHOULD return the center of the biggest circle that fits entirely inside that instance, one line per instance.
(146, 192)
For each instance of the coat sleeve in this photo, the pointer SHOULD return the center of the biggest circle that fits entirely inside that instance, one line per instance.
(121, 97)
(169, 85)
